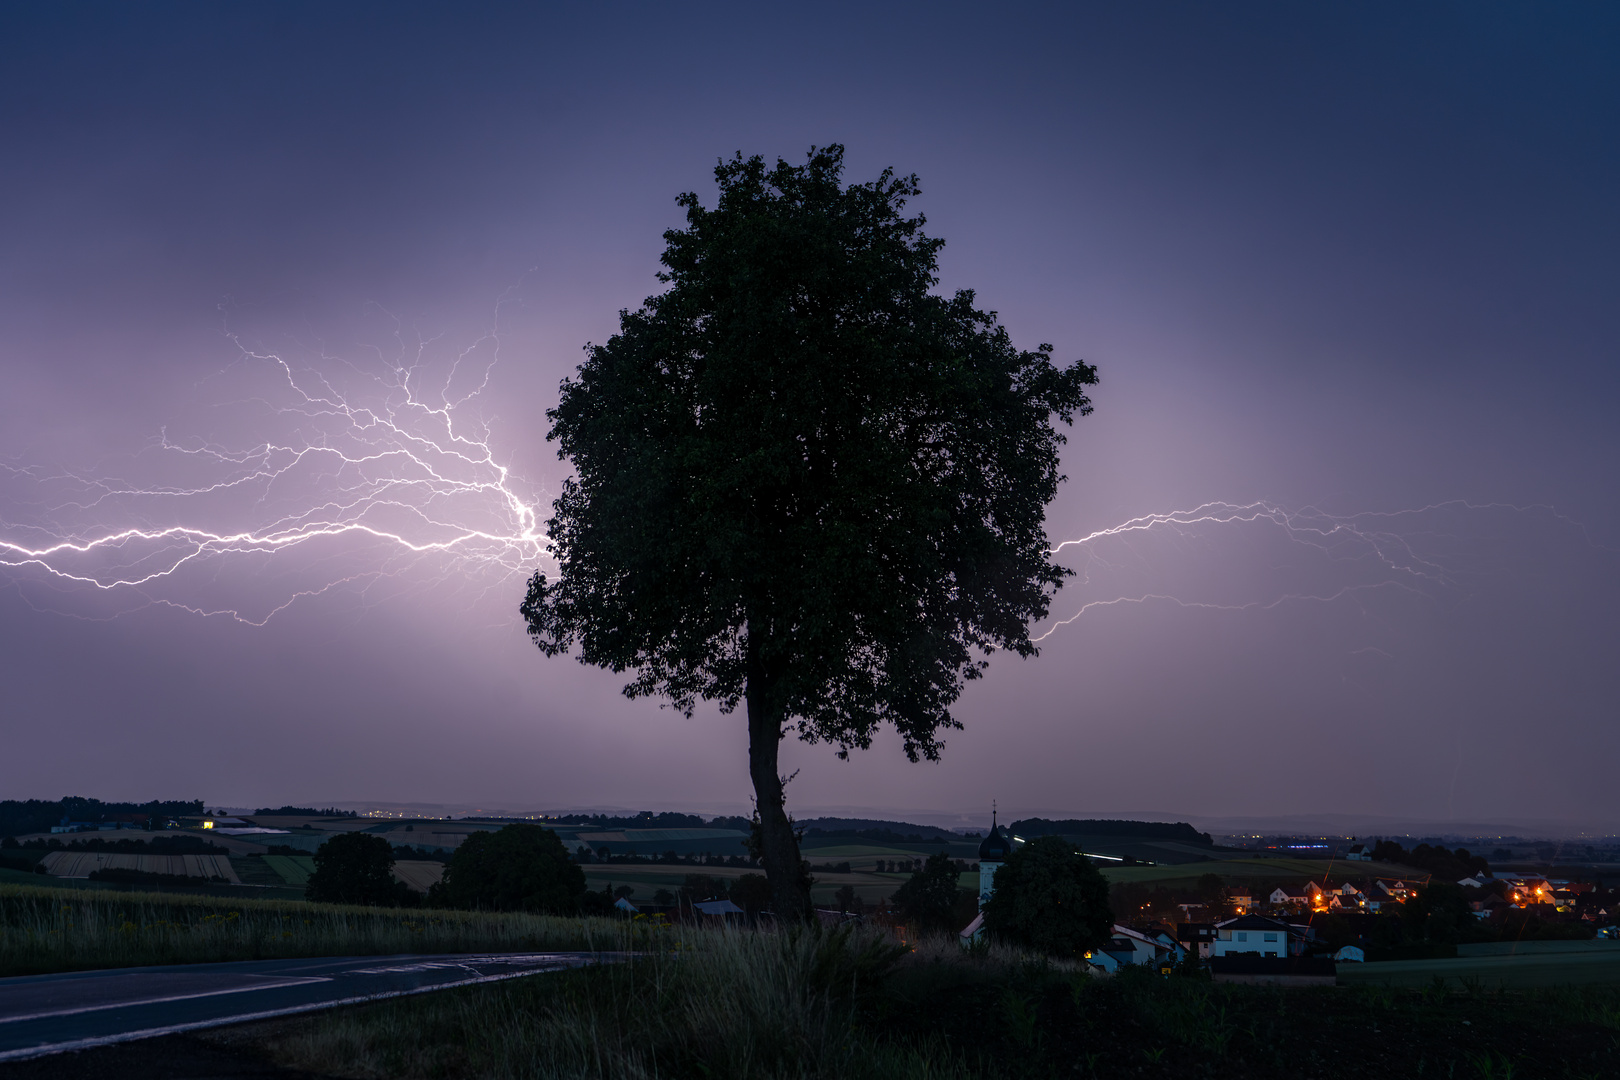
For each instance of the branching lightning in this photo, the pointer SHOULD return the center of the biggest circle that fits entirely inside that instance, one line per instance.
(338, 473)
(362, 482)
(1425, 551)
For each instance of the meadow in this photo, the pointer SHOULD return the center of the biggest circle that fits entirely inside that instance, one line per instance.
(724, 1004)
(45, 929)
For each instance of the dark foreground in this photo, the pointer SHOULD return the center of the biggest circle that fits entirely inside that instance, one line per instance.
(49, 1014)
(756, 1007)
(168, 1057)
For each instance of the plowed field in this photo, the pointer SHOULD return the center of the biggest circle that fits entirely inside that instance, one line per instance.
(78, 864)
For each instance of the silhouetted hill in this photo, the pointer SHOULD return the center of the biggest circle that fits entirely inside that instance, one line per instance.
(898, 832)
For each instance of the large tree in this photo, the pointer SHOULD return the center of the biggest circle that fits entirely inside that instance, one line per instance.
(805, 482)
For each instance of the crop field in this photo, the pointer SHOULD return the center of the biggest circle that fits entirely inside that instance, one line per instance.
(294, 869)
(78, 864)
(419, 874)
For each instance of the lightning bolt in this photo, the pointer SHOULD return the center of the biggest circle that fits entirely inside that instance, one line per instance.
(366, 480)
(1426, 551)
(343, 473)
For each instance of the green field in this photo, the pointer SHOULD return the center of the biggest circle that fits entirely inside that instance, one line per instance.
(1499, 965)
(294, 869)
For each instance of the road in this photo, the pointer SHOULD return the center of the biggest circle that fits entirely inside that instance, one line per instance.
(49, 1014)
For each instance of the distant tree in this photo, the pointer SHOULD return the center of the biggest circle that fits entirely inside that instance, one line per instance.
(751, 892)
(1051, 899)
(806, 484)
(845, 898)
(702, 887)
(520, 867)
(663, 896)
(355, 868)
(928, 898)
(1439, 912)
(1211, 890)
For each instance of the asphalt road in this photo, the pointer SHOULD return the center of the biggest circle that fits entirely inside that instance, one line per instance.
(77, 1010)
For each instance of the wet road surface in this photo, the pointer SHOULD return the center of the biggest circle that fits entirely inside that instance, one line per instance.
(77, 1010)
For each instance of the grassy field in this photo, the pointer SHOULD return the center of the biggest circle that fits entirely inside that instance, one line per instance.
(1499, 965)
(646, 879)
(732, 1005)
(293, 869)
(54, 929)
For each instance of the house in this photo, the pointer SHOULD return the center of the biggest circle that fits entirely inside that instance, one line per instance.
(1129, 946)
(721, 908)
(1394, 890)
(1359, 853)
(1256, 935)
(1281, 897)
(1196, 937)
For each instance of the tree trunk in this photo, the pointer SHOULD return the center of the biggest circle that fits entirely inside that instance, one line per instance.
(779, 848)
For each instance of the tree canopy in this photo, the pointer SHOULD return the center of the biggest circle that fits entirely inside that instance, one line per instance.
(355, 868)
(1049, 897)
(928, 898)
(520, 867)
(804, 481)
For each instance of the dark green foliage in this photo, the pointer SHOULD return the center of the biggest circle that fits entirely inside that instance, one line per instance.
(517, 868)
(646, 820)
(1440, 912)
(703, 887)
(18, 817)
(1436, 860)
(1049, 898)
(355, 868)
(928, 898)
(805, 480)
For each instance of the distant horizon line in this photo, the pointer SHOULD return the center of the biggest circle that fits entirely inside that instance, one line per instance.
(1327, 825)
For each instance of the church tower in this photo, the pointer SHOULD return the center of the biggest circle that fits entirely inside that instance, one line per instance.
(993, 851)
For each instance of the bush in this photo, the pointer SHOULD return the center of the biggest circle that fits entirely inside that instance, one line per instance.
(1049, 898)
(356, 868)
(521, 867)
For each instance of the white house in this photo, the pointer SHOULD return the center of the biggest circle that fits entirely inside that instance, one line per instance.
(1256, 935)
(1129, 946)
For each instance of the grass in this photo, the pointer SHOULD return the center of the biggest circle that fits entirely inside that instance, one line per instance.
(45, 929)
(713, 1004)
(1507, 965)
(808, 1005)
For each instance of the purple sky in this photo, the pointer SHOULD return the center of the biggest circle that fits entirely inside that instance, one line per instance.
(1357, 265)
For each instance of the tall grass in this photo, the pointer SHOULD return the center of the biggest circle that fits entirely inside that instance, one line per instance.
(44, 929)
(717, 1003)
